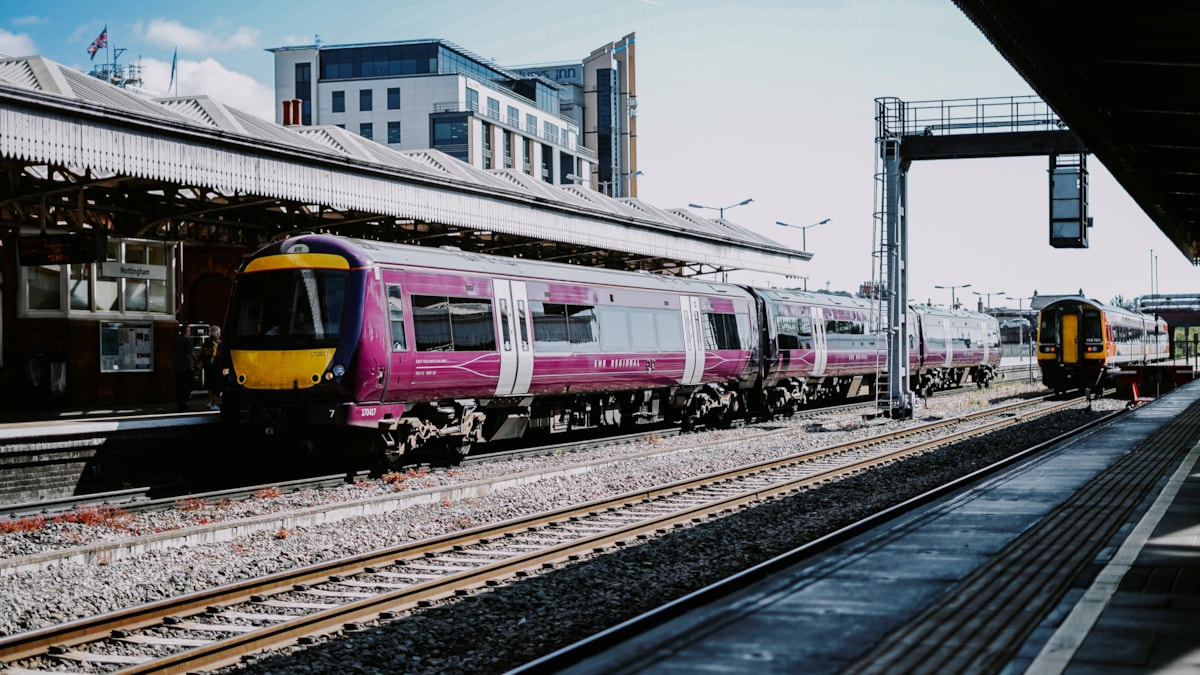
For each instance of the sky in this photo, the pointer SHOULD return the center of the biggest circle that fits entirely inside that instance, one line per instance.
(770, 100)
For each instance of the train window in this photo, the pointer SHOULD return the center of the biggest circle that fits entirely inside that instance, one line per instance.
(505, 333)
(614, 327)
(794, 332)
(560, 328)
(549, 327)
(721, 331)
(582, 328)
(431, 323)
(642, 330)
(443, 324)
(1092, 329)
(299, 308)
(670, 330)
(523, 327)
(788, 332)
(396, 316)
(471, 325)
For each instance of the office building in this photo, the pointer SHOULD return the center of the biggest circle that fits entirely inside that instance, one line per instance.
(421, 94)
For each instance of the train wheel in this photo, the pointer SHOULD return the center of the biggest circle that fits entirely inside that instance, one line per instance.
(456, 448)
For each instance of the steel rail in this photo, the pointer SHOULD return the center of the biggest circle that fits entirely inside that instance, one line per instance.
(226, 651)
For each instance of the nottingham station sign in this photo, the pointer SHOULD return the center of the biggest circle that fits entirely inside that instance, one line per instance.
(62, 249)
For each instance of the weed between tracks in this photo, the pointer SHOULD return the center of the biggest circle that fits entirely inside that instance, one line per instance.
(92, 516)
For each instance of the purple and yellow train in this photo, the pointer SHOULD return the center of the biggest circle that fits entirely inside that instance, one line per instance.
(418, 347)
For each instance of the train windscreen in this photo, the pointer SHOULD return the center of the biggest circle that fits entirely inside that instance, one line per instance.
(287, 309)
(1092, 332)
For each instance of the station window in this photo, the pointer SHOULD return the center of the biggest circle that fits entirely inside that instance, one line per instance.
(134, 279)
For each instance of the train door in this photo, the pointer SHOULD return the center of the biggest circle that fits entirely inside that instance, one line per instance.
(399, 373)
(948, 340)
(516, 347)
(820, 341)
(1069, 321)
(693, 340)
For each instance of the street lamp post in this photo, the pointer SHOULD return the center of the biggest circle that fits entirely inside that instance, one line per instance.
(953, 297)
(989, 297)
(803, 230)
(721, 209)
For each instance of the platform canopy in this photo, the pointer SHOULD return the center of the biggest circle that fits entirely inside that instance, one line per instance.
(1126, 82)
(77, 152)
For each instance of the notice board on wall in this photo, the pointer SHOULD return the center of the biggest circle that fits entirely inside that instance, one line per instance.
(126, 347)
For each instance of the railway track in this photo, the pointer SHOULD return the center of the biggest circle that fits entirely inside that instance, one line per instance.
(207, 629)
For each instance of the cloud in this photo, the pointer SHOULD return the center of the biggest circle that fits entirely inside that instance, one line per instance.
(169, 33)
(209, 77)
(19, 44)
(28, 20)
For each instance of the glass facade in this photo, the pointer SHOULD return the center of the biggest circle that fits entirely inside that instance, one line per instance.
(348, 63)
(607, 133)
(381, 61)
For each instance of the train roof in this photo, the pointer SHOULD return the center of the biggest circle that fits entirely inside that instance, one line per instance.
(958, 313)
(810, 298)
(1106, 308)
(364, 253)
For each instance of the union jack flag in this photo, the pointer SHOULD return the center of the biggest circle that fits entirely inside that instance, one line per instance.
(99, 43)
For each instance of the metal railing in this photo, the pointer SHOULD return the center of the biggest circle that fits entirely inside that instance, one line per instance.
(1004, 114)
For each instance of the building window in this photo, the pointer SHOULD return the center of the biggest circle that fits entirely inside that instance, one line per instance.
(472, 100)
(450, 136)
(550, 132)
(547, 163)
(304, 91)
(393, 98)
(364, 100)
(493, 110)
(508, 158)
(339, 101)
(393, 132)
(531, 124)
(514, 117)
(527, 155)
(487, 146)
(133, 279)
(366, 130)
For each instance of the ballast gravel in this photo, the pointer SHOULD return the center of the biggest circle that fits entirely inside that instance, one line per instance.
(500, 629)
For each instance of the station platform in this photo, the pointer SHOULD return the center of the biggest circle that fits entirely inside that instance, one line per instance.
(1083, 558)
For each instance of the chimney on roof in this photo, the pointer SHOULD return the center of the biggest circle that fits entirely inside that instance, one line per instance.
(291, 112)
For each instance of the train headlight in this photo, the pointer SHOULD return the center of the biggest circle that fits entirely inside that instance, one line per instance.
(338, 370)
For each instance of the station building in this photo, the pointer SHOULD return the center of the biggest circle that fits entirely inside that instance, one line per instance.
(123, 216)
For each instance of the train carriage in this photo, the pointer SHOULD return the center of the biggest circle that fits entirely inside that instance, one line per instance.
(1083, 343)
(955, 346)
